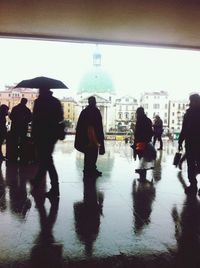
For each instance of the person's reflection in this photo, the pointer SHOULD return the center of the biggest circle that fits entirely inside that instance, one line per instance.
(157, 171)
(87, 215)
(143, 194)
(187, 232)
(46, 252)
(2, 191)
(16, 182)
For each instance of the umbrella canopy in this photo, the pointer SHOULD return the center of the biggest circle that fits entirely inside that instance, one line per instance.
(41, 82)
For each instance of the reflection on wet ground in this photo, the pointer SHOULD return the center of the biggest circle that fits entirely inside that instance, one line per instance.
(115, 221)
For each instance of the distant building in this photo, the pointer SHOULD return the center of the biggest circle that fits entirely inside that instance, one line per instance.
(156, 103)
(97, 82)
(125, 108)
(11, 96)
(177, 109)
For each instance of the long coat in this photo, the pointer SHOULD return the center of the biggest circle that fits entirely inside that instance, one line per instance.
(190, 131)
(89, 117)
(47, 113)
(143, 130)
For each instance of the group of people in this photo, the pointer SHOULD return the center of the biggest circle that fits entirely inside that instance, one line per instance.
(20, 117)
(46, 120)
(146, 131)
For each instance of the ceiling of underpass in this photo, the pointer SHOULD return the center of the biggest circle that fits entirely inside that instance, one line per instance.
(170, 23)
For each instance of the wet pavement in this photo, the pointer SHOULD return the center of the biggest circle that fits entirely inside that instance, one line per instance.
(116, 221)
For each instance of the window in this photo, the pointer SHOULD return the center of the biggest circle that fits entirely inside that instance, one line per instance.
(127, 115)
(120, 115)
(132, 116)
(127, 99)
(156, 106)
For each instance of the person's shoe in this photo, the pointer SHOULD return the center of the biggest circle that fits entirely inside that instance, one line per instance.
(191, 190)
(52, 194)
(159, 149)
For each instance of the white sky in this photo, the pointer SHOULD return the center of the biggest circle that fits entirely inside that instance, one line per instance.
(133, 69)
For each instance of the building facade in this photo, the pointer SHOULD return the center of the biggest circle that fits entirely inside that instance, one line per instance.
(125, 108)
(97, 82)
(12, 96)
(156, 103)
(177, 109)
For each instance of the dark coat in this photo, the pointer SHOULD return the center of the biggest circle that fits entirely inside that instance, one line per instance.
(3, 128)
(158, 127)
(90, 116)
(47, 113)
(20, 117)
(143, 130)
(190, 131)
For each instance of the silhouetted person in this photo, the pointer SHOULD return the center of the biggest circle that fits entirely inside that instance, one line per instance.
(190, 133)
(87, 215)
(47, 113)
(90, 137)
(142, 136)
(3, 129)
(158, 131)
(20, 117)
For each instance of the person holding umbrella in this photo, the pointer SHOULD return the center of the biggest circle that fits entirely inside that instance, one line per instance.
(47, 115)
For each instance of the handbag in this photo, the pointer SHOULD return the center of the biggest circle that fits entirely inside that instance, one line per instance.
(177, 158)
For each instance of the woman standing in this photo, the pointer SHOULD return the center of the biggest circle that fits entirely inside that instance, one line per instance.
(3, 129)
(142, 136)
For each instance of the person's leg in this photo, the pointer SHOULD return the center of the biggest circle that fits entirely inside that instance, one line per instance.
(50, 167)
(154, 140)
(191, 165)
(161, 142)
(90, 159)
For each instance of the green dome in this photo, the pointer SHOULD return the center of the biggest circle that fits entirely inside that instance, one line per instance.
(96, 81)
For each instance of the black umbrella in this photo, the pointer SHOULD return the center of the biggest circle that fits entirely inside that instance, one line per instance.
(41, 82)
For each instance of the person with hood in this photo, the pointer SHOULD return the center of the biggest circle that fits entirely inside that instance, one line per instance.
(89, 137)
(47, 114)
(190, 133)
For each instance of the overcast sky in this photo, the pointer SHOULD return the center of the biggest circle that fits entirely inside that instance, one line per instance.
(133, 69)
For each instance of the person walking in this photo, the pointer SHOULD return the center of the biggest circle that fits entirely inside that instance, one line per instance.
(89, 137)
(47, 114)
(142, 136)
(3, 129)
(157, 131)
(190, 133)
(20, 117)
